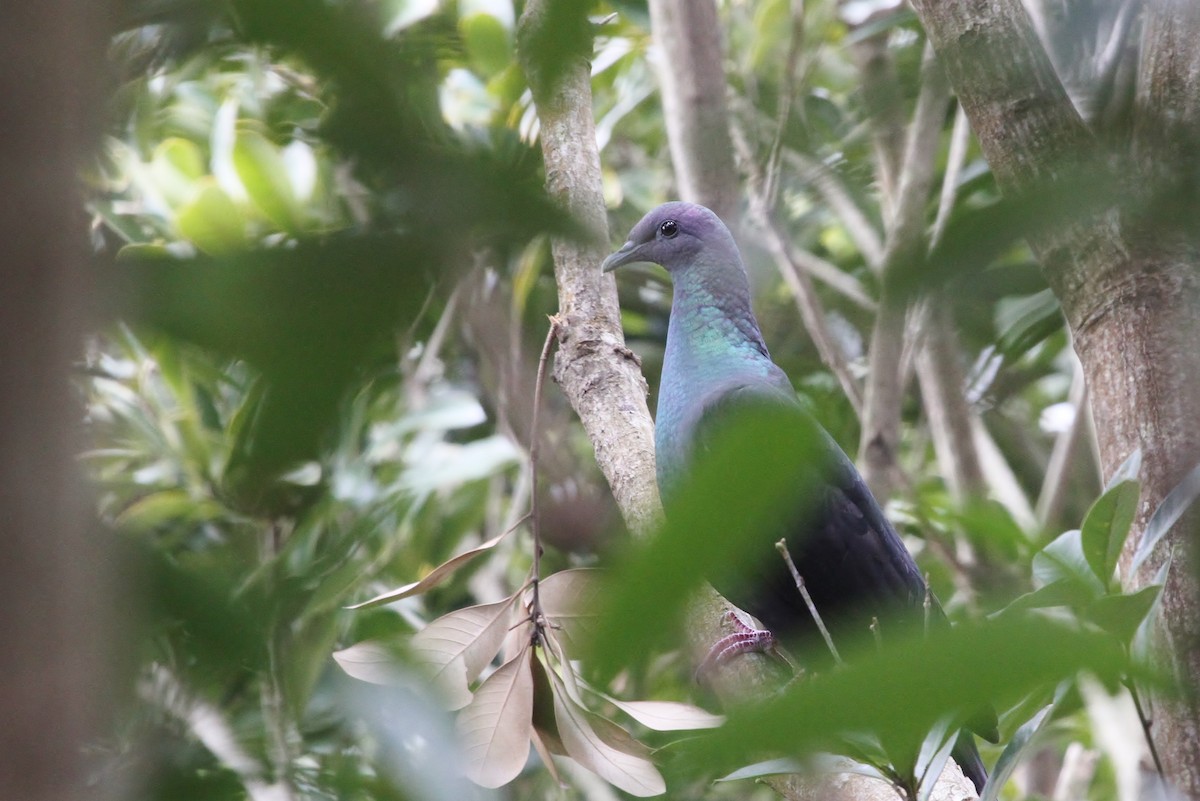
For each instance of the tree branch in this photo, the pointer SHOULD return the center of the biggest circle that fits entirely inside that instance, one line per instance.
(599, 375)
(905, 243)
(692, 75)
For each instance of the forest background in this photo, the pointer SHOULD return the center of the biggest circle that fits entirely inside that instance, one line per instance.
(279, 278)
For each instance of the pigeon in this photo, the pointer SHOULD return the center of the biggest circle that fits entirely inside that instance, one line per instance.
(715, 366)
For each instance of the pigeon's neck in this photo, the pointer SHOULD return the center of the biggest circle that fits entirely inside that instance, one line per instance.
(714, 347)
(712, 324)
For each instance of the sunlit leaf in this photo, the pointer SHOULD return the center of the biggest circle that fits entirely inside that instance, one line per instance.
(175, 167)
(496, 726)
(458, 646)
(1167, 514)
(212, 221)
(434, 578)
(1062, 592)
(262, 170)
(1106, 526)
(770, 767)
(816, 765)
(488, 42)
(632, 773)
(158, 508)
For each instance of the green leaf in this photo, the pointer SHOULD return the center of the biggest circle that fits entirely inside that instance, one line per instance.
(1121, 614)
(1106, 527)
(901, 690)
(261, 168)
(1167, 514)
(1024, 322)
(211, 221)
(1064, 559)
(1010, 758)
(175, 167)
(1063, 592)
(168, 506)
(1128, 471)
(489, 44)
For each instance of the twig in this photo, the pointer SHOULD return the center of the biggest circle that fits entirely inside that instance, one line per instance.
(781, 546)
(535, 518)
(927, 604)
(1058, 468)
(770, 183)
(960, 137)
(860, 230)
(1146, 722)
(808, 304)
(905, 239)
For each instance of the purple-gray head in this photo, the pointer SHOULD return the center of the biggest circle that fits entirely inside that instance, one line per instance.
(673, 235)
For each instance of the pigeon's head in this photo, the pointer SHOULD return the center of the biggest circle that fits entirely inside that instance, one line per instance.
(676, 235)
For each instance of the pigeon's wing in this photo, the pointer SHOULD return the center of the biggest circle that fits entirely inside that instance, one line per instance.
(852, 561)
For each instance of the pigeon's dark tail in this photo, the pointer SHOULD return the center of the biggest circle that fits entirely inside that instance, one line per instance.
(967, 757)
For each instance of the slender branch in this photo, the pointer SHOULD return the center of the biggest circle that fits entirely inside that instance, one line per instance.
(884, 393)
(960, 138)
(1147, 724)
(809, 305)
(827, 182)
(885, 113)
(1066, 446)
(829, 274)
(535, 441)
(781, 546)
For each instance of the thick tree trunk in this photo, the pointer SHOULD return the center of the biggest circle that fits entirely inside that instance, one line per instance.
(1129, 287)
(52, 576)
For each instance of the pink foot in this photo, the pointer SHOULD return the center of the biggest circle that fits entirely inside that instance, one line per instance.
(743, 640)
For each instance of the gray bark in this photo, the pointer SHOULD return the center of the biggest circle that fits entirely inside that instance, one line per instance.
(691, 71)
(1129, 286)
(53, 578)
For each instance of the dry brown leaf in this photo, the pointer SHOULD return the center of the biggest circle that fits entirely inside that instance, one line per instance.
(495, 728)
(370, 660)
(543, 749)
(632, 773)
(434, 578)
(668, 715)
(570, 600)
(458, 646)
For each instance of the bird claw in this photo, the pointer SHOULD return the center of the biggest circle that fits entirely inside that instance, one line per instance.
(743, 640)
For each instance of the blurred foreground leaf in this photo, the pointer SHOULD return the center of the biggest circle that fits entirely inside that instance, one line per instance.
(902, 690)
(729, 512)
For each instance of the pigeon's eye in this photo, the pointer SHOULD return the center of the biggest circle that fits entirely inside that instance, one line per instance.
(669, 229)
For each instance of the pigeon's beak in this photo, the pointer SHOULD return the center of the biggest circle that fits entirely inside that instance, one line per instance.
(626, 254)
